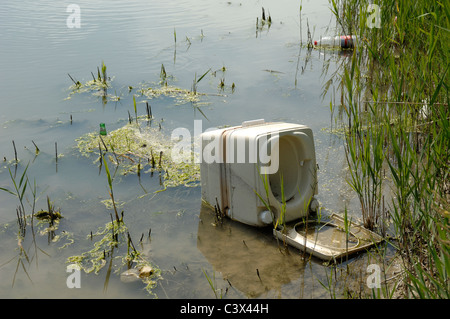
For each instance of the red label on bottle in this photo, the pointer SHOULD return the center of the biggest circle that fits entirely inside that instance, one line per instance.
(346, 41)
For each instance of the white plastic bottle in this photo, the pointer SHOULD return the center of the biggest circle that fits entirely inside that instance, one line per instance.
(343, 42)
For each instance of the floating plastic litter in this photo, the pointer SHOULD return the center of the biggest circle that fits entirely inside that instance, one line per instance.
(236, 159)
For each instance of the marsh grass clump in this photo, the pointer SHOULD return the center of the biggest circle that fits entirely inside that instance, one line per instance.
(163, 75)
(51, 214)
(98, 86)
(28, 229)
(265, 21)
(395, 110)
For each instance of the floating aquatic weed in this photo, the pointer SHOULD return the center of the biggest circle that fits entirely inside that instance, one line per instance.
(181, 96)
(96, 87)
(99, 86)
(137, 142)
(113, 236)
(109, 203)
(95, 259)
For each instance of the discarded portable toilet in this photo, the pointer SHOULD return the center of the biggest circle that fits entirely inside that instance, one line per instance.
(273, 160)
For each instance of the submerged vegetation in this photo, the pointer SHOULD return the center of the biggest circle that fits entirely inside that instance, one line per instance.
(115, 245)
(394, 106)
(114, 235)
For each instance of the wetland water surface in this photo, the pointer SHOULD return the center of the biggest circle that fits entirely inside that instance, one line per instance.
(255, 72)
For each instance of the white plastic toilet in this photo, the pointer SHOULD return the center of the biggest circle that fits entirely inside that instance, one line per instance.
(236, 160)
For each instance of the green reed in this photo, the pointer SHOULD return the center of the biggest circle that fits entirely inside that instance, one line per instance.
(218, 293)
(110, 184)
(395, 97)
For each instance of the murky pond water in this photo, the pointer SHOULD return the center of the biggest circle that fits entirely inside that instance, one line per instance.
(256, 72)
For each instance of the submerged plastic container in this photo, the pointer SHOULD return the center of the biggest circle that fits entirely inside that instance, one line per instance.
(236, 161)
(343, 42)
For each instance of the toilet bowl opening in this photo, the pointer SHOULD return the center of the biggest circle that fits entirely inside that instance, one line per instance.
(289, 169)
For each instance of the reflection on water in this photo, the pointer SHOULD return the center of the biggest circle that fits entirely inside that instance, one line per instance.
(249, 259)
(134, 38)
